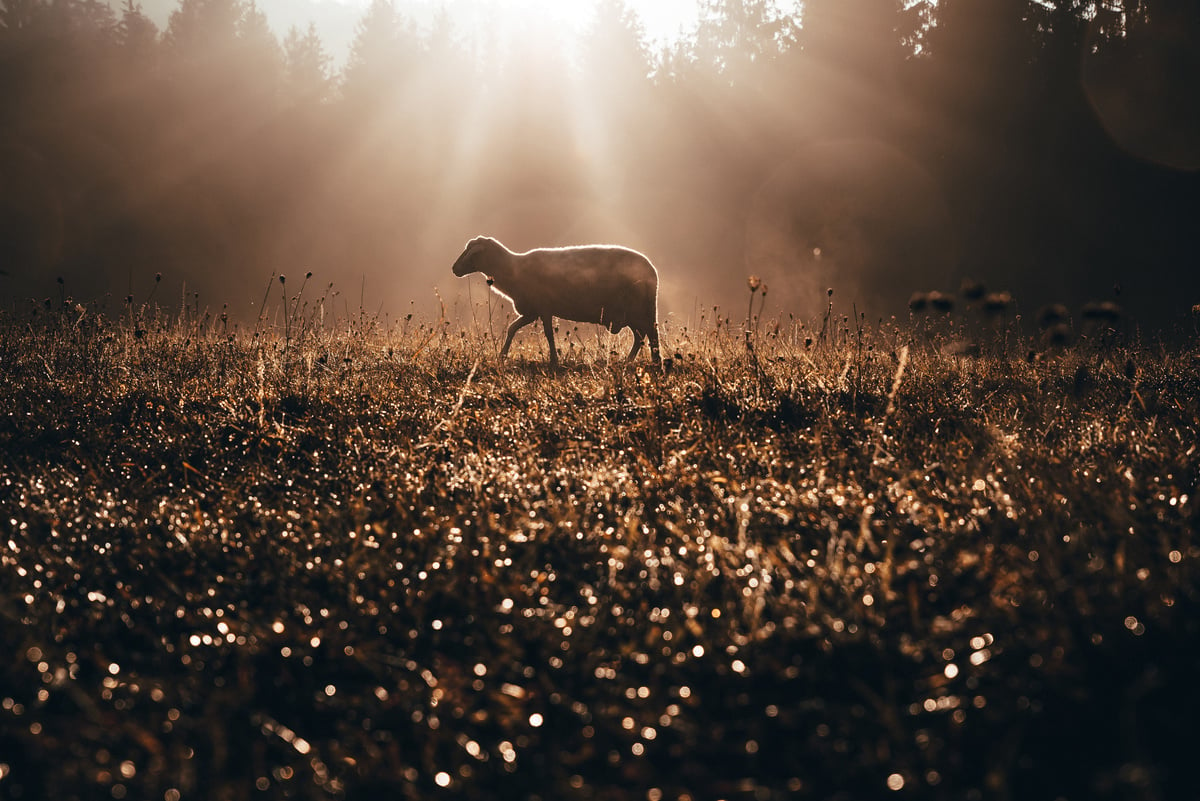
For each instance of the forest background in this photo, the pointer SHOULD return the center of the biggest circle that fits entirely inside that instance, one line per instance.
(1050, 149)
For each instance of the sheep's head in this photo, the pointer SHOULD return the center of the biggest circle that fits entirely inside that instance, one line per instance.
(476, 256)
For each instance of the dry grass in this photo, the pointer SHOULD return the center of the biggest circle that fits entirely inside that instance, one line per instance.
(308, 560)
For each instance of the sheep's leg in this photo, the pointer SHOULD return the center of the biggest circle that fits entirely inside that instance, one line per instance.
(518, 324)
(638, 338)
(548, 326)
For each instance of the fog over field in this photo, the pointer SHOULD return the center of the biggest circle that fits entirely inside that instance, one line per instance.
(1045, 150)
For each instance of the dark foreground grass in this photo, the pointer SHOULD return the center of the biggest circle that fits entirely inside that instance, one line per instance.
(375, 565)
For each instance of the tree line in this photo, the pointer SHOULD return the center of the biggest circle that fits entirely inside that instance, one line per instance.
(880, 146)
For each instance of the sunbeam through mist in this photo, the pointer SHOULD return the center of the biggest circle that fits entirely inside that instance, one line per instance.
(216, 142)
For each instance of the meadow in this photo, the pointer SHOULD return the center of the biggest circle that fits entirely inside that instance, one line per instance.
(362, 558)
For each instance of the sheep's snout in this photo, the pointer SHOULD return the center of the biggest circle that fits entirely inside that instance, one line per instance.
(477, 255)
(463, 265)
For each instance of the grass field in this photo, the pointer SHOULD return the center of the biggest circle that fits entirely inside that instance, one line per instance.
(369, 561)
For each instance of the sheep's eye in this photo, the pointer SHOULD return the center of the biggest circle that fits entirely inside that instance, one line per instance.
(490, 280)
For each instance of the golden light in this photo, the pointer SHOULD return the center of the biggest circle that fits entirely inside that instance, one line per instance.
(664, 21)
(570, 16)
(544, 65)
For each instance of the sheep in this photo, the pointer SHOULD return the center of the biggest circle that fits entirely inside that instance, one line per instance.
(606, 284)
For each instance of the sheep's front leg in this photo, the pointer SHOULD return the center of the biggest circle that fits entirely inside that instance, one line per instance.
(548, 326)
(518, 324)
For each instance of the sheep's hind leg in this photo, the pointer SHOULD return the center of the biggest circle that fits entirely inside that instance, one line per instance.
(638, 339)
(518, 324)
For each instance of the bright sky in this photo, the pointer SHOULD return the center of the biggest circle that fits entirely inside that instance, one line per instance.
(663, 20)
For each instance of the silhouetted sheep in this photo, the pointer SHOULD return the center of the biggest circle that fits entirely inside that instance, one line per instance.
(613, 286)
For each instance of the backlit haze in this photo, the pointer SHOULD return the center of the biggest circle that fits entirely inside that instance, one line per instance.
(1047, 150)
(663, 22)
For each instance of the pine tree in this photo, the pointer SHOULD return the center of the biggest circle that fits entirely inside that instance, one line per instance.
(260, 59)
(306, 67)
(615, 73)
(615, 46)
(381, 58)
(203, 30)
(734, 36)
(136, 34)
(96, 15)
(16, 15)
(223, 57)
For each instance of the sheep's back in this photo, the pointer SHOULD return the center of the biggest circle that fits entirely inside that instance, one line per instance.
(590, 284)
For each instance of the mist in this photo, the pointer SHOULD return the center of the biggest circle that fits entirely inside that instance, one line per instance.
(873, 148)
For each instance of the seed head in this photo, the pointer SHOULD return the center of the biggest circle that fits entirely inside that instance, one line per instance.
(971, 289)
(996, 302)
(941, 301)
(1105, 310)
(1052, 315)
(1057, 335)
